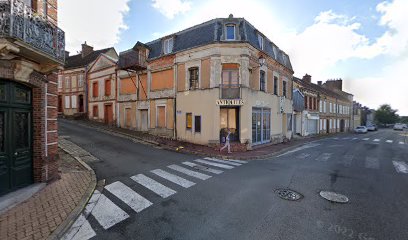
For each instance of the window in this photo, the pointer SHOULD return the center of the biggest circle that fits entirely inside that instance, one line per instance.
(193, 78)
(95, 111)
(189, 121)
(320, 106)
(230, 32)
(81, 80)
(74, 82)
(262, 81)
(261, 41)
(67, 83)
(289, 122)
(284, 88)
(108, 87)
(161, 117)
(60, 81)
(324, 106)
(275, 85)
(67, 105)
(168, 46)
(73, 101)
(197, 124)
(95, 89)
(305, 102)
(310, 103)
(330, 108)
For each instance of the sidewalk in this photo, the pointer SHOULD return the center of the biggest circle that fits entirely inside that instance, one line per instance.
(258, 152)
(50, 211)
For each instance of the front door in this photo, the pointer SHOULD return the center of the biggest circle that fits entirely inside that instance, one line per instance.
(15, 136)
(261, 129)
(144, 119)
(81, 103)
(109, 114)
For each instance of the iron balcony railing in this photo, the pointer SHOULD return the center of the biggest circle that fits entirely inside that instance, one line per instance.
(230, 91)
(19, 21)
(132, 59)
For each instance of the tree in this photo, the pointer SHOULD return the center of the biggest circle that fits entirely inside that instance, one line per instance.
(386, 115)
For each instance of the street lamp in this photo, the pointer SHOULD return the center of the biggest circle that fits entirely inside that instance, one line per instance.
(261, 61)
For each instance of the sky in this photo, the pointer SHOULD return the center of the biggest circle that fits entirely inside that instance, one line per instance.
(363, 42)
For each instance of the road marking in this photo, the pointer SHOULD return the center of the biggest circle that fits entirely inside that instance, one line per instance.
(354, 139)
(324, 157)
(372, 162)
(346, 138)
(189, 172)
(107, 213)
(376, 140)
(402, 143)
(173, 178)
(237, 161)
(128, 196)
(336, 138)
(214, 164)
(223, 161)
(92, 202)
(81, 229)
(365, 139)
(389, 141)
(153, 186)
(303, 156)
(202, 168)
(310, 145)
(400, 167)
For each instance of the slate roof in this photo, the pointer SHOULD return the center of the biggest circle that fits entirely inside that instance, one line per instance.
(211, 32)
(319, 89)
(77, 61)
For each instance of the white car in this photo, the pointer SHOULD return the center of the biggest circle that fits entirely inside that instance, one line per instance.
(361, 129)
(372, 127)
(399, 126)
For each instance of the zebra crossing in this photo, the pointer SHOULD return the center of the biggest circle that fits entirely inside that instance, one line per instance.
(375, 140)
(108, 214)
(369, 162)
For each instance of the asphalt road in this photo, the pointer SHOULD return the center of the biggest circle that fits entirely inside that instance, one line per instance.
(241, 203)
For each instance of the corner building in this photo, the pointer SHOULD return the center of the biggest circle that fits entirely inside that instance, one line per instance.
(224, 74)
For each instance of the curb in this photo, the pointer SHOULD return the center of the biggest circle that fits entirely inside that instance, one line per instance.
(65, 225)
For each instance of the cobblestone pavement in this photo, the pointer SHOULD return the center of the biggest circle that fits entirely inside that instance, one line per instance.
(44, 212)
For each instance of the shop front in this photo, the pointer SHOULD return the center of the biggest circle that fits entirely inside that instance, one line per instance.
(261, 125)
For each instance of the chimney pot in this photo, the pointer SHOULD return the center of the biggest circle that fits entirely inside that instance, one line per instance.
(307, 78)
(319, 83)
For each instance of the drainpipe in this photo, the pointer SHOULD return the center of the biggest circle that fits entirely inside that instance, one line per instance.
(175, 100)
(116, 97)
(46, 129)
(86, 91)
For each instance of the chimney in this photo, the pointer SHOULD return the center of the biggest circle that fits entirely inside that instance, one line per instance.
(319, 83)
(86, 50)
(66, 54)
(307, 78)
(335, 84)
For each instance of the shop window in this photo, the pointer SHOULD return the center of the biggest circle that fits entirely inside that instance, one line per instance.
(108, 87)
(229, 118)
(275, 85)
(95, 111)
(161, 117)
(284, 88)
(168, 46)
(95, 89)
(189, 121)
(197, 124)
(230, 29)
(262, 81)
(193, 78)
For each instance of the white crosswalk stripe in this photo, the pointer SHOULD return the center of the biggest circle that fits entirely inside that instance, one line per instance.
(214, 164)
(107, 213)
(376, 140)
(128, 196)
(173, 178)
(324, 157)
(354, 139)
(202, 168)
(80, 229)
(402, 143)
(365, 139)
(223, 161)
(237, 161)
(400, 167)
(153, 186)
(189, 172)
(389, 141)
(372, 162)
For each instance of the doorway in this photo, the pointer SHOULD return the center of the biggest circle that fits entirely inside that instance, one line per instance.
(16, 169)
(108, 115)
(229, 119)
(327, 125)
(59, 103)
(81, 103)
(261, 125)
(342, 125)
(144, 120)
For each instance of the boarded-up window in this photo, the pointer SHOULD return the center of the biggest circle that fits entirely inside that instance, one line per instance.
(161, 117)
(128, 85)
(67, 102)
(108, 87)
(73, 101)
(197, 124)
(95, 111)
(189, 121)
(162, 80)
(95, 89)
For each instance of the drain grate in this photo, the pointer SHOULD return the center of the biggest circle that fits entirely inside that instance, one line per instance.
(334, 197)
(288, 194)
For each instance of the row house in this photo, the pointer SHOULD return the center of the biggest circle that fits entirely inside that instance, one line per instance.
(72, 80)
(28, 92)
(197, 83)
(102, 89)
(325, 110)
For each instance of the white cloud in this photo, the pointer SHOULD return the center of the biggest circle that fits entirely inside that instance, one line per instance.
(97, 22)
(171, 8)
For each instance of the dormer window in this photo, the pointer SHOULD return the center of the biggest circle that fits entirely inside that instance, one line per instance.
(261, 41)
(168, 46)
(230, 29)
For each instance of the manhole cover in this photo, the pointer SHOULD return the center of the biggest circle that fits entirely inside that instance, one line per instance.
(288, 194)
(334, 197)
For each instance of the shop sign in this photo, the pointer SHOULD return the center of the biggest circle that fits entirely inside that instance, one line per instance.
(229, 102)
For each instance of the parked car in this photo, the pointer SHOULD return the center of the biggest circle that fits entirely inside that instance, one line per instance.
(372, 127)
(360, 129)
(399, 127)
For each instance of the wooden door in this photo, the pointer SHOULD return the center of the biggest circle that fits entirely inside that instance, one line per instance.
(108, 114)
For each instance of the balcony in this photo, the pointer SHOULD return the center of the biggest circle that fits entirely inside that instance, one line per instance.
(132, 60)
(230, 91)
(35, 37)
